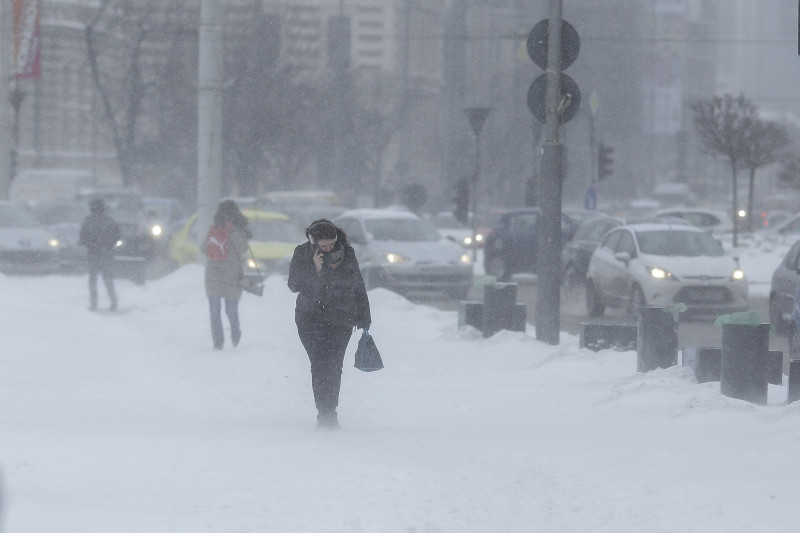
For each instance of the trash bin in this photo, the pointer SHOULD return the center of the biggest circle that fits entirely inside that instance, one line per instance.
(743, 368)
(793, 392)
(499, 302)
(656, 340)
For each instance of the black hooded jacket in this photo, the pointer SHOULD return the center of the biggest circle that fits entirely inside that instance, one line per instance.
(336, 296)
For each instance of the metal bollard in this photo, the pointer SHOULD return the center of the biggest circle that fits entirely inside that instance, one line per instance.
(470, 314)
(499, 302)
(775, 367)
(657, 340)
(743, 369)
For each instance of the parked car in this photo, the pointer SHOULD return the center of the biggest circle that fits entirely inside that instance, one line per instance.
(398, 250)
(275, 236)
(136, 247)
(785, 280)
(26, 247)
(451, 228)
(638, 265)
(63, 219)
(789, 226)
(578, 251)
(711, 220)
(512, 248)
(165, 217)
(794, 332)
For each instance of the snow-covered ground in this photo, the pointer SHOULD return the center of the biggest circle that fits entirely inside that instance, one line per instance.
(129, 422)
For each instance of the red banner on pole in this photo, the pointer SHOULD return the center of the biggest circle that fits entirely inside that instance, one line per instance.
(27, 41)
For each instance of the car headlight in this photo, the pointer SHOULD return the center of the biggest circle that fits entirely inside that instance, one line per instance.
(156, 230)
(119, 243)
(466, 259)
(255, 264)
(392, 258)
(53, 243)
(660, 273)
(466, 241)
(738, 275)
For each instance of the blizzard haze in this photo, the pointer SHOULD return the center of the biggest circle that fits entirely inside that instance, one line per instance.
(130, 422)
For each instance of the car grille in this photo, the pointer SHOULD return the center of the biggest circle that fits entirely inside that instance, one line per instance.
(704, 295)
(27, 257)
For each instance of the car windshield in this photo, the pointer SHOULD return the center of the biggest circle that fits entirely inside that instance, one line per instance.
(62, 213)
(276, 230)
(17, 217)
(678, 243)
(122, 205)
(401, 229)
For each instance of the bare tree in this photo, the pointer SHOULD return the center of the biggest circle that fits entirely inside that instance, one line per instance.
(765, 145)
(115, 38)
(724, 125)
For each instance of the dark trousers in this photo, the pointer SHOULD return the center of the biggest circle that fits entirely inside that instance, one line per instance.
(232, 310)
(105, 269)
(325, 345)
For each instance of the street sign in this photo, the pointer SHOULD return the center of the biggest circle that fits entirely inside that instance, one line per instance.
(570, 98)
(537, 44)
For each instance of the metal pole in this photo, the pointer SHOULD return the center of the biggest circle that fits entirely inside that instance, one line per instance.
(209, 113)
(474, 195)
(548, 303)
(6, 47)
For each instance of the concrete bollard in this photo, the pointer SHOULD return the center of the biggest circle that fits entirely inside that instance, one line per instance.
(499, 303)
(705, 362)
(743, 369)
(793, 393)
(657, 340)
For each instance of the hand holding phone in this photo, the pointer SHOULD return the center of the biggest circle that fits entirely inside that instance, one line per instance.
(318, 258)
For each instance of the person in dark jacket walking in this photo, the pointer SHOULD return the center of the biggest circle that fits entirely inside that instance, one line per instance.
(99, 233)
(331, 301)
(225, 247)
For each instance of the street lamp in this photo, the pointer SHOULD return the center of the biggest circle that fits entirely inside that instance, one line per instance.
(476, 116)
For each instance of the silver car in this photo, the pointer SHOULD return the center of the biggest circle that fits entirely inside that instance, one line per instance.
(26, 247)
(398, 250)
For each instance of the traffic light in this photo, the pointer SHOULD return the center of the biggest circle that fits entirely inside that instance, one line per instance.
(461, 211)
(604, 161)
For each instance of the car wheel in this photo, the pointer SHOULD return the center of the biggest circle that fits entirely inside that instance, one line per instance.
(637, 301)
(594, 307)
(775, 316)
(497, 268)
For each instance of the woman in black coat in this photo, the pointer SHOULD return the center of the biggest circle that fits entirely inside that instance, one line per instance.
(331, 301)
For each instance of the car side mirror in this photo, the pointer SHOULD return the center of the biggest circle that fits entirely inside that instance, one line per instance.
(625, 257)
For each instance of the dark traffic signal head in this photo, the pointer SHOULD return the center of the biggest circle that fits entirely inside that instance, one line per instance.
(604, 161)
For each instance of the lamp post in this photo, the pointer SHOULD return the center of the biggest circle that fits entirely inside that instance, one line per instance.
(476, 116)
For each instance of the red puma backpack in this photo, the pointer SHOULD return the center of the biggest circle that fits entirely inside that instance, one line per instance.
(217, 242)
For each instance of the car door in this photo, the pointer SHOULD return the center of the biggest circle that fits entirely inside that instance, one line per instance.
(621, 279)
(786, 279)
(602, 265)
(521, 239)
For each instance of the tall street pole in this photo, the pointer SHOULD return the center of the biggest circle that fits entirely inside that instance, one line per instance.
(209, 113)
(476, 116)
(548, 302)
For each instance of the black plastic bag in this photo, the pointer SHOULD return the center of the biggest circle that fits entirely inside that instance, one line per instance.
(253, 286)
(368, 358)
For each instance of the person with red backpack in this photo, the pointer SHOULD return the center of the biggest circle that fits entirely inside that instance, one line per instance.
(225, 247)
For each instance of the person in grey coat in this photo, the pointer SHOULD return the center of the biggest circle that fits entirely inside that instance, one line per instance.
(225, 268)
(99, 233)
(331, 301)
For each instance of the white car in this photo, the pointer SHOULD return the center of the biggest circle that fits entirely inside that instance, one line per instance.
(400, 251)
(661, 265)
(26, 247)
